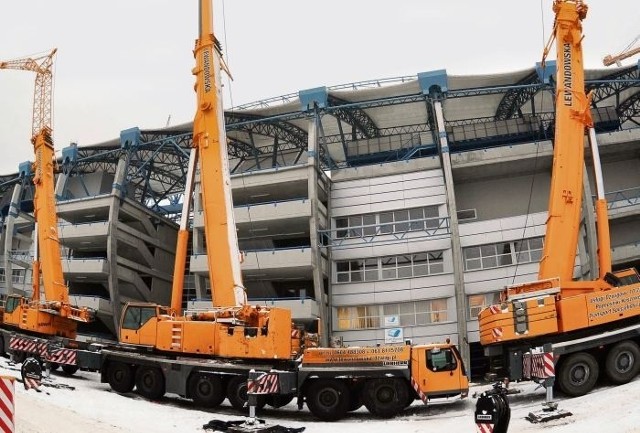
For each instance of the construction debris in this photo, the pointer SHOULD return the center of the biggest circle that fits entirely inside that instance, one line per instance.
(249, 425)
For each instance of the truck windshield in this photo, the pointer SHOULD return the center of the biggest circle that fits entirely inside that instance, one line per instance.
(441, 360)
(135, 317)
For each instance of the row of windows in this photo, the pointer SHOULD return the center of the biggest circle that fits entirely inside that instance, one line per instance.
(390, 267)
(398, 221)
(503, 254)
(409, 314)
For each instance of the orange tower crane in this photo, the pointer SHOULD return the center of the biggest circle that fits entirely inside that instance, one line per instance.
(52, 315)
(629, 51)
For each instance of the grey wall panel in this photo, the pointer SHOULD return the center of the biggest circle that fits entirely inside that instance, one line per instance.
(499, 198)
(620, 175)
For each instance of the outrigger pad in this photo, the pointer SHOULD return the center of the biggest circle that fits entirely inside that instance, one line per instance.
(547, 415)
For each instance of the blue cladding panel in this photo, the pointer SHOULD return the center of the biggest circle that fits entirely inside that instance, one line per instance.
(548, 71)
(130, 137)
(430, 79)
(310, 97)
(24, 169)
(70, 154)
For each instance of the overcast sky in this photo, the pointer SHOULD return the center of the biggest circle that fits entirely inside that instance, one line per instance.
(125, 63)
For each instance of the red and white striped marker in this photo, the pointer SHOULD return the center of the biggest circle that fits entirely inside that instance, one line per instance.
(484, 428)
(7, 390)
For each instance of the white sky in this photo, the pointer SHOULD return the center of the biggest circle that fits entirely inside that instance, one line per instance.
(126, 63)
(93, 407)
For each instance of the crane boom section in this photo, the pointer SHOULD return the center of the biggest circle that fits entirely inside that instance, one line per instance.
(209, 137)
(610, 60)
(572, 115)
(48, 254)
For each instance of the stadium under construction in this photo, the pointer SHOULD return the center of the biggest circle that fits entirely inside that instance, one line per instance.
(357, 204)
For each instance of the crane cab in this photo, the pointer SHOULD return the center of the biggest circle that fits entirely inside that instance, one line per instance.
(438, 371)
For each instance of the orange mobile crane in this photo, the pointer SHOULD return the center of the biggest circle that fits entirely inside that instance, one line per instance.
(557, 330)
(209, 356)
(53, 315)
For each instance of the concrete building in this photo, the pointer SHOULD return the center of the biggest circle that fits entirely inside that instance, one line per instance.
(391, 209)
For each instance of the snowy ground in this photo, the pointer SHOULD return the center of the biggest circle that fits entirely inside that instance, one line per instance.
(82, 404)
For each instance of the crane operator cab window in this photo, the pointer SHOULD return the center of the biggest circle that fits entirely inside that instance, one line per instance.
(135, 317)
(11, 304)
(441, 360)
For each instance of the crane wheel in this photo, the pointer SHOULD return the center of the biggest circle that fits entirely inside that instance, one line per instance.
(623, 362)
(150, 382)
(278, 400)
(206, 390)
(328, 399)
(355, 396)
(385, 397)
(120, 377)
(237, 394)
(578, 374)
(69, 370)
(18, 356)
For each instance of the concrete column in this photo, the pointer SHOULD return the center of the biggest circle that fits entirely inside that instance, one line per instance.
(590, 256)
(14, 211)
(117, 195)
(456, 248)
(314, 226)
(61, 181)
(198, 241)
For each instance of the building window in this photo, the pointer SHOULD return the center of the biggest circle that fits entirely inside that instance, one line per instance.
(502, 254)
(390, 267)
(477, 303)
(361, 317)
(398, 221)
(417, 313)
(467, 215)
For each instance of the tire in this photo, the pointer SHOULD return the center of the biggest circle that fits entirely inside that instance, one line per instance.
(206, 390)
(150, 382)
(355, 396)
(278, 400)
(18, 356)
(578, 374)
(54, 366)
(385, 398)
(120, 377)
(623, 362)
(69, 370)
(328, 399)
(237, 394)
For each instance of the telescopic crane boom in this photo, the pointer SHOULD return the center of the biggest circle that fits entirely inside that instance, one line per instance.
(53, 315)
(231, 328)
(556, 303)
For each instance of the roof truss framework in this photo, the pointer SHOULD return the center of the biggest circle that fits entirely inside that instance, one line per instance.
(515, 98)
(157, 166)
(354, 116)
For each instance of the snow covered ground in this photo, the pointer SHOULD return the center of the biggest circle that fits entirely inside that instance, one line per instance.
(82, 404)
